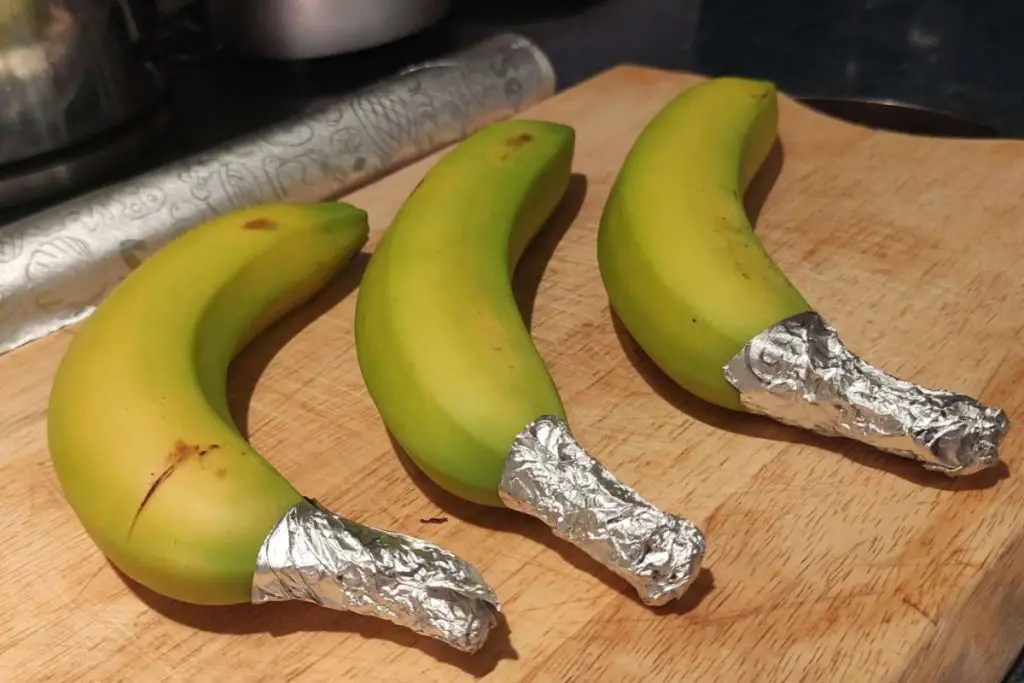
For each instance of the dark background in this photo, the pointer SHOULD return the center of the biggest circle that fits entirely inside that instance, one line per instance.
(947, 56)
(951, 55)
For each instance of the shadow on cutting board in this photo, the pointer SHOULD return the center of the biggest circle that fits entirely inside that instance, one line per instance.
(285, 618)
(249, 365)
(901, 117)
(763, 181)
(531, 267)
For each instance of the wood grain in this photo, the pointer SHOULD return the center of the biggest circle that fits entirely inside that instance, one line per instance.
(826, 561)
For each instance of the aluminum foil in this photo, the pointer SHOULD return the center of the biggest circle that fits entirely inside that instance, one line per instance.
(317, 556)
(799, 372)
(57, 265)
(548, 475)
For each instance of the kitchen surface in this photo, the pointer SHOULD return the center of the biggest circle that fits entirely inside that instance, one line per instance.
(936, 67)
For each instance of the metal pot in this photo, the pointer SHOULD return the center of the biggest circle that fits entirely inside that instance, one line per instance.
(69, 70)
(303, 29)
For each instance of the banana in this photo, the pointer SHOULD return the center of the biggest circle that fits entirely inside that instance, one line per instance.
(456, 377)
(441, 344)
(682, 267)
(696, 289)
(139, 430)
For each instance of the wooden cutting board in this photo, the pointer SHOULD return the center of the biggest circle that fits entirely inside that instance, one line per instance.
(827, 562)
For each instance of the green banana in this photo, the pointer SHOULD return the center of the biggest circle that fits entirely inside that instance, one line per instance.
(682, 267)
(457, 379)
(441, 344)
(139, 429)
(694, 286)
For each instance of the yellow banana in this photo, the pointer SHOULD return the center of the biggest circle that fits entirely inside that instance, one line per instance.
(683, 269)
(457, 379)
(694, 286)
(442, 347)
(138, 424)
(147, 455)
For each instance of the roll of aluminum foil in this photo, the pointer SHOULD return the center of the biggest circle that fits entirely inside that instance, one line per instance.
(316, 556)
(800, 373)
(548, 475)
(57, 265)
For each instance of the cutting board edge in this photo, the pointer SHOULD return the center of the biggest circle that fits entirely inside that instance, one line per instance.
(641, 72)
(948, 654)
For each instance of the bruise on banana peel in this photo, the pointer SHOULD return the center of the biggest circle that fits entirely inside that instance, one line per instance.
(209, 520)
(181, 452)
(669, 256)
(457, 379)
(260, 224)
(516, 142)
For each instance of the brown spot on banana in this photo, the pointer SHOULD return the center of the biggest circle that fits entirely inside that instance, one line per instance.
(180, 453)
(516, 142)
(260, 224)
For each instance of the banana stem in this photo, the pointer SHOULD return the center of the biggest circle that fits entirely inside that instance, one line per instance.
(316, 556)
(548, 475)
(800, 373)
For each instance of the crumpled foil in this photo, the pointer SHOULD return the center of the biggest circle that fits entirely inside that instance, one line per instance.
(317, 556)
(548, 475)
(57, 265)
(798, 372)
